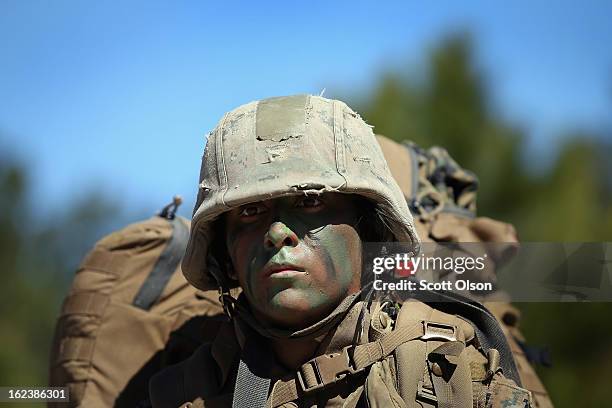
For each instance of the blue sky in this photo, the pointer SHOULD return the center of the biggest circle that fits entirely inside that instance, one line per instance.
(117, 96)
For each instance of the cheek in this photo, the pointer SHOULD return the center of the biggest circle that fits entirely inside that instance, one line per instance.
(242, 246)
(339, 251)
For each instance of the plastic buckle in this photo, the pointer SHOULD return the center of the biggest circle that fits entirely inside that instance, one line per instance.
(439, 331)
(227, 301)
(328, 369)
(425, 393)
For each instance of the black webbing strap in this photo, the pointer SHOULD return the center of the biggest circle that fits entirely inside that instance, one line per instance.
(165, 266)
(252, 385)
(535, 354)
(486, 326)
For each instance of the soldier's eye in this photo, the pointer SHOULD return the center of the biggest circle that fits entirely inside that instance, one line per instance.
(309, 202)
(252, 210)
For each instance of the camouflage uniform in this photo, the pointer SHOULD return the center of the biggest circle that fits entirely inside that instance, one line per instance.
(367, 354)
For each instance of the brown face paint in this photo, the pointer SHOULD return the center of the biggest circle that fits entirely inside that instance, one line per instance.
(324, 253)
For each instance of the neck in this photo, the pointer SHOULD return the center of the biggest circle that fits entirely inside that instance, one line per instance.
(292, 353)
(294, 348)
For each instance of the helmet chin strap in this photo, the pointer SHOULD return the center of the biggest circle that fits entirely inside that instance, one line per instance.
(227, 301)
(225, 297)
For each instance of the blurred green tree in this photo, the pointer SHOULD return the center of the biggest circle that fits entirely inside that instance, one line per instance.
(450, 108)
(37, 256)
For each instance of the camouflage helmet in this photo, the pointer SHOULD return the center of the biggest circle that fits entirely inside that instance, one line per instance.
(285, 146)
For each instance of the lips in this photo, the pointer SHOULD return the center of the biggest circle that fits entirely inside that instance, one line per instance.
(281, 269)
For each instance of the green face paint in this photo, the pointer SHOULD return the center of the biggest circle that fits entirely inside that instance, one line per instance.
(296, 258)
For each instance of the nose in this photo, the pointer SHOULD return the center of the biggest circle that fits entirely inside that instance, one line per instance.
(279, 235)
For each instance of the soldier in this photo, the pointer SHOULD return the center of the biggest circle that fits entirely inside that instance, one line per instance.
(290, 189)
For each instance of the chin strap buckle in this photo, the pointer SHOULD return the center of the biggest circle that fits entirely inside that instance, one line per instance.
(227, 301)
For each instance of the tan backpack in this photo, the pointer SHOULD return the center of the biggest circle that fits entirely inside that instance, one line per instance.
(442, 198)
(129, 313)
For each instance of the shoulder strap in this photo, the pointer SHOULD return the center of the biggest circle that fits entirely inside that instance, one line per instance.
(487, 328)
(434, 372)
(166, 264)
(251, 388)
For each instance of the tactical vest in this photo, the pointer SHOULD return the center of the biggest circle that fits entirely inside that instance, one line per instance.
(422, 358)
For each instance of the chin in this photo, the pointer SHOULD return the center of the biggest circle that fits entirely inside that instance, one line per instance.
(296, 308)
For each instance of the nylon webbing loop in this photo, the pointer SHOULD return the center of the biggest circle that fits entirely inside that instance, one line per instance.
(103, 260)
(451, 376)
(367, 354)
(451, 350)
(76, 349)
(166, 264)
(87, 303)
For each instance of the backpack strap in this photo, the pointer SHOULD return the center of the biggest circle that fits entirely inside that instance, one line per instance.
(488, 331)
(433, 372)
(166, 264)
(252, 385)
(451, 377)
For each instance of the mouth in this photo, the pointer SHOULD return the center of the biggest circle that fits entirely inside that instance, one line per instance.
(282, 270)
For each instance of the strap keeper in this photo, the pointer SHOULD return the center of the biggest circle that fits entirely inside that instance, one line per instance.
(439, 331)
(426, 394)
(493, 363)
